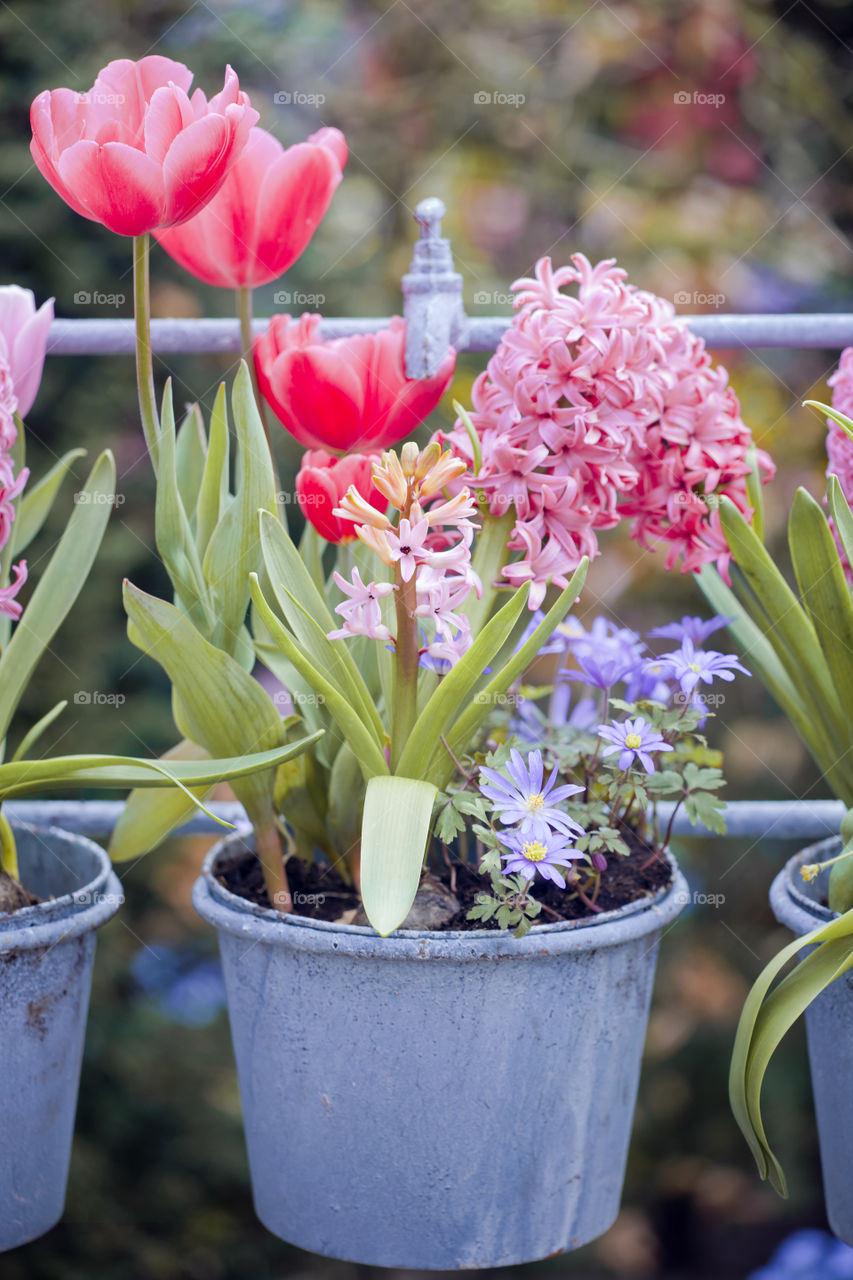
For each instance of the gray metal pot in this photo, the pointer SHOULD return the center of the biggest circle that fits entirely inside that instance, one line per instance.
(46, 955)
(829, 1031)
(436, 1100)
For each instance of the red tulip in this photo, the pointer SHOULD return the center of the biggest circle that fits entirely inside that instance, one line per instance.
(135, 153)
(264, 214)
(346, 393)
(323, 480)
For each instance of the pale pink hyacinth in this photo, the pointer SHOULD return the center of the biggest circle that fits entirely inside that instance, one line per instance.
(10, 486)
(597, 407)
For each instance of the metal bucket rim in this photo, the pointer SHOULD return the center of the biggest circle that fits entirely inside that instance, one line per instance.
(794, 902)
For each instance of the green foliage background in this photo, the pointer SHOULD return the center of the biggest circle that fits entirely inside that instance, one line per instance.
(742, 204)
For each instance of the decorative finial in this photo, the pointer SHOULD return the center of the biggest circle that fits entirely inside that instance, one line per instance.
(428, 215)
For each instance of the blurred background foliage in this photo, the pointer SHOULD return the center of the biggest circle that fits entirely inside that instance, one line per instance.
(705, 144)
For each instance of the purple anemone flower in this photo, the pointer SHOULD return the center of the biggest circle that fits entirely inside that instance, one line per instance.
(524, 799)
(633, 739)
(689, 665)
(691, 628)
(542, 850)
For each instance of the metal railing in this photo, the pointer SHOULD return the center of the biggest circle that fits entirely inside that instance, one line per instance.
(435, 314)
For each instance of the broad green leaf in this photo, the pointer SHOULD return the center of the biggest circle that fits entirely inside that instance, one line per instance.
(765, 1020)
(794, 637)
(825, 592)
(234, 550)
(350, 723)
(845, 423)
(24, 777)
(755, 491)
(455, 689)
(490, 555)
(216, 703)
(841, 515)
(37, 500)
(308, 616)
(462, 734)
(146, 820)
(190, 458)
(59, 586)
(394, 833)
(214, 493)
(173, 535)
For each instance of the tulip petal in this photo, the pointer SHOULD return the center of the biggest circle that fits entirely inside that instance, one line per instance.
(321, 397)
(195, 167)
(168, 113)
(291, 204)
(122, 187)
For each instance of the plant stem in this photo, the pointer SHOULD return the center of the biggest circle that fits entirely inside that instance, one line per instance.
(8, 849)
(144, 355)
(244, 312)
(489, 557)
(270, 853)
(406, 656)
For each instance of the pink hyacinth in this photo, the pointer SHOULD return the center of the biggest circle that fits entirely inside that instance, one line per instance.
(601, 406)
(839, 446)
(10, 484)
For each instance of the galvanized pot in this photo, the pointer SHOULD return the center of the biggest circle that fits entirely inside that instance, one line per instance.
(436, 1100)
(46, 955)
(829, 1031)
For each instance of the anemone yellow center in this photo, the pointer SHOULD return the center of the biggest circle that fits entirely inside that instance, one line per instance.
(633, 741)
(535, 802)
(534, 851)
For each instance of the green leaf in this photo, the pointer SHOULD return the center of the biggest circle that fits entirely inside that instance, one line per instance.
(350, 723)
(841, 515)
(37, 500)
(455, 688)
(765, 1020)
(213, 493)
(307, 614)
(754, 492)
(394, 834)
(146, 820)
(461, 736)
(217, 704)
(825, 592)
(173, 534)
(24, 777)
(234, 550)
(845, 423)
(58, 588)
(190, 458)
(31, 738)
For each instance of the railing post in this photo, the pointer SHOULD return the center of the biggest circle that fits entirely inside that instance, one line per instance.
(432, 296)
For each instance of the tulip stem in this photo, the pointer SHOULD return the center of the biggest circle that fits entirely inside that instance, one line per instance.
(144, 355)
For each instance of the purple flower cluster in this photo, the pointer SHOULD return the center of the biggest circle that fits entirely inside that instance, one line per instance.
(540, 839)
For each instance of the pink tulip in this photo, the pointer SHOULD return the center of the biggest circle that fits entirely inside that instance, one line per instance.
(264, 214)
(323, 480)
(346, 393)
(23, 340)
(135, 153)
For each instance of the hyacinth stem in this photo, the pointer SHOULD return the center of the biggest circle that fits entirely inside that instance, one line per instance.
(8, 849)
(406, 659)
(270, 851)
(144, 354)
(489, 557)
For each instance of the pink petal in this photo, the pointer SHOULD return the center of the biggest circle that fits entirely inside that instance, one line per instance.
(28, 355)
(195, 167)
(122, 187)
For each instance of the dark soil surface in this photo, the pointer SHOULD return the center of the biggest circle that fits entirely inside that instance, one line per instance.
(14, 896)
(321, 893)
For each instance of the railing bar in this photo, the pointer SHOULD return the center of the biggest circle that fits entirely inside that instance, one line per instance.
(481, 333)
(774, 819)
